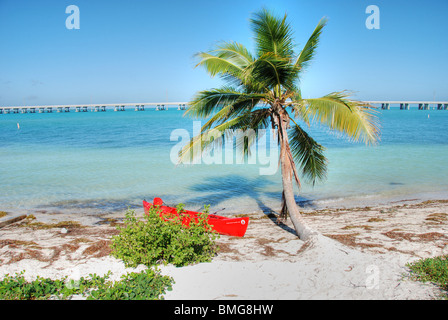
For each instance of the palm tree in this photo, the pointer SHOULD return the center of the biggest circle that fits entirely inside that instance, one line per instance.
(262, 91)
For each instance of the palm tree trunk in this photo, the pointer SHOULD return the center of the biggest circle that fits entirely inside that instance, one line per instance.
(303, 230)
(284, 211)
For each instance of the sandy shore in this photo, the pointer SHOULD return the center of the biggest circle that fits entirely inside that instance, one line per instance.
(360, 254)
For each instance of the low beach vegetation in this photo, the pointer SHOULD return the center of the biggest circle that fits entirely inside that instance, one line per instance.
(151, 240)
(433, 270)
(146, 285)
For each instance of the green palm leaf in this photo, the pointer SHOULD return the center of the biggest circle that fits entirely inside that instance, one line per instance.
(233, 51)
(272, 35)
(206, 138)
(215, 64)
(213, 137)
(272, 72)
(308, 154)
(308, 51)
(207, 102)
(229, 60)
(355, 119)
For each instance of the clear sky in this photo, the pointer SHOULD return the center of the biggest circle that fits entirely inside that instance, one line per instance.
(138, 51)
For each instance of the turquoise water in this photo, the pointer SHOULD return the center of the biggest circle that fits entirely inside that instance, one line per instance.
(107, 161)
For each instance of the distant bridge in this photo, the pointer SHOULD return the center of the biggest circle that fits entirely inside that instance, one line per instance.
(93, 107)
(404, 105)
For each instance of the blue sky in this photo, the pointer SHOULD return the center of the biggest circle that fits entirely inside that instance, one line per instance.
(137, 51)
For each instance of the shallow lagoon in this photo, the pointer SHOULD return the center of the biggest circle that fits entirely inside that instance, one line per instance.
(107, 161)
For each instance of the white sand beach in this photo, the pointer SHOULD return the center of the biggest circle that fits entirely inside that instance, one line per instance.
(360, 254)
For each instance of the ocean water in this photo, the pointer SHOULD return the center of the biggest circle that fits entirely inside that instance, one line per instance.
(98, 162)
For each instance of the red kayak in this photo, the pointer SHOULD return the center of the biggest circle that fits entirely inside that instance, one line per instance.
(223, 225)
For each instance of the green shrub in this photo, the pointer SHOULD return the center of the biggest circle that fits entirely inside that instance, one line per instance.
(17, 288)
(147, 285)
(152, 240)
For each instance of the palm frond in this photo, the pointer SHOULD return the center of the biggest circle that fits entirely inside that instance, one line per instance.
(297, 105)
(308, 51)
(244, 104)
(355, 119)
(214, 64)
(206, 102)
(308, 154)
(272, 35)
(272, 72)
(204, 139)
(209, 137)
(233, 51)
(228, 60)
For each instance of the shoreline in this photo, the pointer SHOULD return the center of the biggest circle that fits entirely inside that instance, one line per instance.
(270, 262)
(90, 211)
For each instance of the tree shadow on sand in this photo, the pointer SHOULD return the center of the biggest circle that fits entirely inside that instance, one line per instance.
(215, 190)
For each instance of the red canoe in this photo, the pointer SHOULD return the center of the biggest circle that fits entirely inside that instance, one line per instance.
(223, 225)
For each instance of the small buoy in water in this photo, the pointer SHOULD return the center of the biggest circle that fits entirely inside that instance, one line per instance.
(428, 116)
(18, 126)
